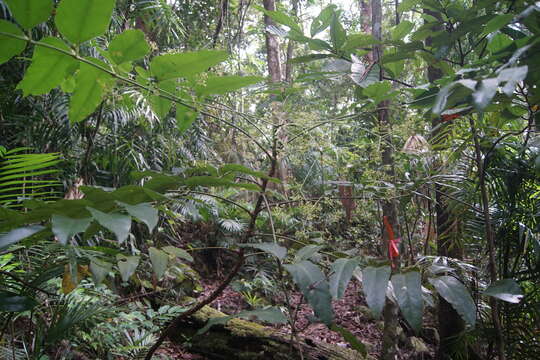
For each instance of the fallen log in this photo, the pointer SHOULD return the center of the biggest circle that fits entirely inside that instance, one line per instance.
(241, 339)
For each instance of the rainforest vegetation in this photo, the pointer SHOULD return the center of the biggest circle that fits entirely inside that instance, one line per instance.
(275, 179)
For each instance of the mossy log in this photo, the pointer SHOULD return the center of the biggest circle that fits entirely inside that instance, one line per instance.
(241, 339)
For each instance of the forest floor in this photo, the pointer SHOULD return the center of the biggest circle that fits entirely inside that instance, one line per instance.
(350, 313)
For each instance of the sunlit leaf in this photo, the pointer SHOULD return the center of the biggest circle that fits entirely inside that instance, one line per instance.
(506, 289)
(30, 13)
(10, 46)
(48, 69)
(144, 212)
(127, 265)
(82, 20)
(128, 46)
(159, 261)
(117, 223)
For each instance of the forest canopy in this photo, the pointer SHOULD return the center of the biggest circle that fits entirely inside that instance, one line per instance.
(238, 179)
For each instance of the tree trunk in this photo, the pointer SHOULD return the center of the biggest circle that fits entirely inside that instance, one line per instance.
(450, 323)
(241, 339)
(276, 76)
(389, 207)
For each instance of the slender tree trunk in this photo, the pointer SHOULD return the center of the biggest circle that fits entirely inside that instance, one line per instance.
(490, 239)
(276, 76)
(290, 49)
(450, 323)
(272, 45)
(389, 207)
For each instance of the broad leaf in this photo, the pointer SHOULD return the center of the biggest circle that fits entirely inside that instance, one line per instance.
(144, 212)
(10, 46)
(82, 20)
(128, 46)
(272, 248)
(342, 270)
(65, 227)
(15, 303)
(408, 291)
(402, 30)
(307, 252)
(356, 41)
(506, 289)
(223, 84)
(49, 68)
(177, 252)
(374, 285)
(281, 18)
(117, 223)
(312, 283)
(173, 66)
(19, 234)
(127, 265)
(100, 269)
(212, 181)
(496, 23)
(337, 33)
(323, 20)
(453, 291)
(270, 315)
(30, 13)
(512, 76)
(91, 86)
(159, 261)
(349, 337)
(160, 104)
(485, 93)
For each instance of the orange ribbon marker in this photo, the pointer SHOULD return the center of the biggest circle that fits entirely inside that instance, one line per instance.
(393, 251)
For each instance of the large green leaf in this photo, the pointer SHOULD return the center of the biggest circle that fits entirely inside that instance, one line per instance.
(272, 248)
(15, 303)
(349, 337)
(496, 23)
(223, 84)
(374, 285)
(177, 252)
(314, 286)
(65, 227)
(144, 212)
(356, 41)
(10, 46)
(401, 30)
(342, 270)
(323, 20)
(270, 315)
(82, 20)
(128, 46)
(453, 291)
(173, 66)
(159, 259)
(337, 33)
(281, 18)
(49, 68)
(485, 93)
(100, 269)
(161, 105)
(127, 265)
(306, 252)
(117, 223)
(91, 85)
(18, 234)
(506, 289)
(30, 13)
(408, 290)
